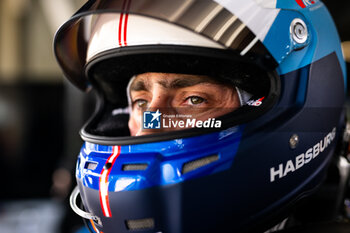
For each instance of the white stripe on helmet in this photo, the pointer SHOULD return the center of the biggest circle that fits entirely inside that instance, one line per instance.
(252, 13)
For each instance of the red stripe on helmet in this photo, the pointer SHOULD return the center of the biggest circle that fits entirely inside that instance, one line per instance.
(121, 23)
(104, 177)
(126, 21)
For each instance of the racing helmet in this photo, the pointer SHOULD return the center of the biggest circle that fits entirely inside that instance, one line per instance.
(245, 175)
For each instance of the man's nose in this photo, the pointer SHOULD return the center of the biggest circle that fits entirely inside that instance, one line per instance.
(161, 102)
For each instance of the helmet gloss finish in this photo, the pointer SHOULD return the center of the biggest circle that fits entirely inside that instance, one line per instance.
(244, 177)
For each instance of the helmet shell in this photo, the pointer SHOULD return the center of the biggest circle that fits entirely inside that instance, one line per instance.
(244, 177)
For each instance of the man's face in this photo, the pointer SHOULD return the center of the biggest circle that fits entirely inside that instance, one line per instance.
(179, 94)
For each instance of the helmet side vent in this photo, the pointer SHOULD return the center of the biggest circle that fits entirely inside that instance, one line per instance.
(195, 164)
(91, 165)
(135, 167)
(140, 224)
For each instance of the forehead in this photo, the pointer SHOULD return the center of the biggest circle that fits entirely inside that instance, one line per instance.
(151, 76)
(168, 80)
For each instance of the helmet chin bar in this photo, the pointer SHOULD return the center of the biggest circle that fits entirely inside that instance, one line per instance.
(77, 210)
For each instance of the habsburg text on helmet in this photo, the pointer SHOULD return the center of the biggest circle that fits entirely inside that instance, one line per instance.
(292, 165)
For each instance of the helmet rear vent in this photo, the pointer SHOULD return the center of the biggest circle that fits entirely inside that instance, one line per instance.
(195, 164)
(135, 167)
(140, 224)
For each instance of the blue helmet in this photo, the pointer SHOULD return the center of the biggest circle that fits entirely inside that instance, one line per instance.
(245, 174)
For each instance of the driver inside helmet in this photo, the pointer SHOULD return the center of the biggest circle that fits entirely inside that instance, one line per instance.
(178, 97)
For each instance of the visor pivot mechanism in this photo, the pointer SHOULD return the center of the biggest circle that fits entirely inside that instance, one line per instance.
(299, 33)
(78, 211)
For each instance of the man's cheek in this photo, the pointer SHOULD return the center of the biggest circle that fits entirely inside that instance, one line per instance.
(134, 125)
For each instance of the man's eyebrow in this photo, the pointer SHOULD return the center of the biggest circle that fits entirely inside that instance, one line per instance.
(138, 86)
(187, 82)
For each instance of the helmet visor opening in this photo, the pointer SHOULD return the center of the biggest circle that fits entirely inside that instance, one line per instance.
(212, 82)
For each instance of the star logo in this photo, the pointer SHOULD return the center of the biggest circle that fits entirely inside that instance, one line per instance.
(151, 120)
(156, 115)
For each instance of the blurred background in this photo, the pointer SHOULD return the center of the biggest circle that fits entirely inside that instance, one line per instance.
(40, 118)
(41, 115)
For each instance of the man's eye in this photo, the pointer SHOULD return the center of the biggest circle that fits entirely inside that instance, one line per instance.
(141, 103)
(195, 100)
